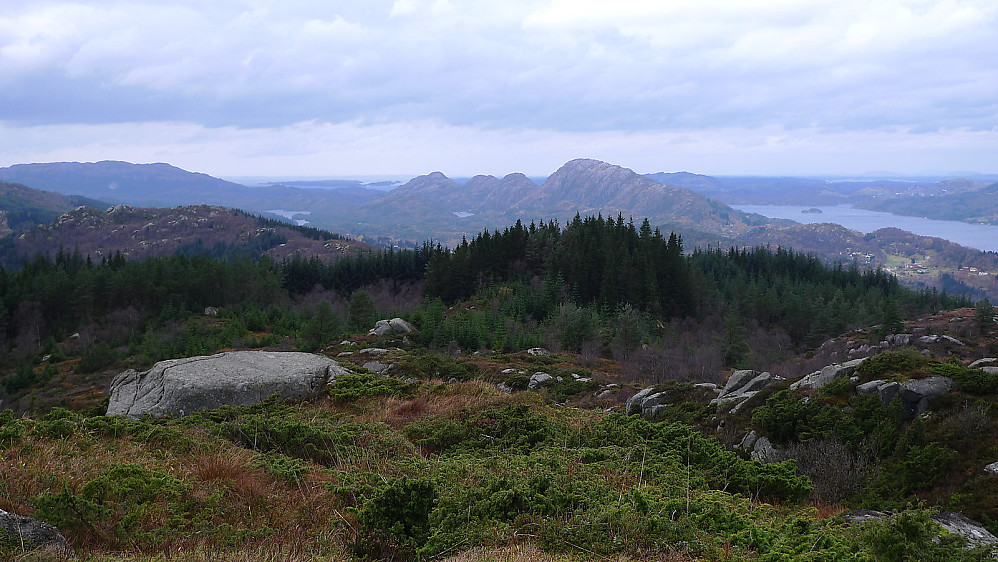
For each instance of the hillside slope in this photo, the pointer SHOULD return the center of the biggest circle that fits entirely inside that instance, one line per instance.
(138, 233)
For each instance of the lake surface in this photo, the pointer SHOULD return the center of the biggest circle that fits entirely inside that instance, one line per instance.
(982, 237)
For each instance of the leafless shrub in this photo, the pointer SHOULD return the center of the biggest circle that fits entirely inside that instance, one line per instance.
(834, 469)
(972, 418)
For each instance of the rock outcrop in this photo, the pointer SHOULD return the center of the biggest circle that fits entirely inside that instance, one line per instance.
(538, 380)
(761, 448)
(646, 402)
(181, 386)
(914, 394)
(30, 533)
(956, 523)
(393, 326)
(743, 385)
(818, 379)
(959, 524)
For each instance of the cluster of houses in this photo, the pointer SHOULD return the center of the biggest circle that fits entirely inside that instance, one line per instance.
(974, 271)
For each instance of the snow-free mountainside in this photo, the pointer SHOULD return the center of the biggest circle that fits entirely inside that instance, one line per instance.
(200, 383)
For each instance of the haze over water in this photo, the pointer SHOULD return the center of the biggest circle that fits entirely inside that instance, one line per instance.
(979, 236)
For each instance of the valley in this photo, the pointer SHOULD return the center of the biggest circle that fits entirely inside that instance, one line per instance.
(563, 381)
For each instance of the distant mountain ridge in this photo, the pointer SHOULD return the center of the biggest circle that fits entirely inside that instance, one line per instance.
(584, 186)
(116, 181)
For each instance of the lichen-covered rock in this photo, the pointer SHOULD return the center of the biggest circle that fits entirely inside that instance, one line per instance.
(914, 394)
(30, 533)
(818, 379)
(538, 380)
(393, 326)
(181, 386)
(985, 362)
(959, 524)
(744, 384)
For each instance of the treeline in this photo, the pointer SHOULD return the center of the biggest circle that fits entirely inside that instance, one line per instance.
(599, 287)
(599, 261)
(608, 270)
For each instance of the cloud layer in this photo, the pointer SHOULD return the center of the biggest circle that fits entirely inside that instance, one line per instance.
(384, 79)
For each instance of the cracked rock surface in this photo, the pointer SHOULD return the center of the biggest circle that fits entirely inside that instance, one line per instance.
(178, 387)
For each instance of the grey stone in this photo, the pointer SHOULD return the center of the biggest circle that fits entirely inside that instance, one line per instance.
(898, 340)
(210, 311)
(953, 340)
(872, 387)
(377, 367)
(960, 524)
(538, 380)
(636, 399)
(538, 352)
(748, 442)
(928, 339)
(31, 533)
(744, 384)
(179, 387)
(929, 387)
(990, 370)
(992, 468)
(765, 452)
(818, 379)
(864, 515)
(400, 326)
(708, 385)
(376, 351)
(888, 391)
(985, 362)
(393, 326)
(504, 388)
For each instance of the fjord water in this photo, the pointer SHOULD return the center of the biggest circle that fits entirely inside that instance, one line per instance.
(979, 236)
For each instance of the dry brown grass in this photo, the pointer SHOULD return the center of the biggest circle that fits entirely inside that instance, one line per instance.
(523, 552)
(826, 510)
(437, 400)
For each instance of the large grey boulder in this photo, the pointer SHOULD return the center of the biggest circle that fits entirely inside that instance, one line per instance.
(743, 385)
(914, 394)
(30, 533)
(393, 326)
(985, 362)
(647, 402)
(181, 386)
(818, 379)
(538, 380)
(992, 469)
(960, 524)
(956, 523)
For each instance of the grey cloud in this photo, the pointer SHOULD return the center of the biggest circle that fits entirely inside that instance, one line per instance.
(336, 62)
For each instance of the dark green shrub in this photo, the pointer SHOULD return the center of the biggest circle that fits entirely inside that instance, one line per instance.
(901, 361)
(395, 521)
(784, 416)
(972, 381)
(437, 435)
(350, 387)
(97, 357)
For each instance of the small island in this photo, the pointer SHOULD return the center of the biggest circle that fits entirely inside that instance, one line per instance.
(811, 211)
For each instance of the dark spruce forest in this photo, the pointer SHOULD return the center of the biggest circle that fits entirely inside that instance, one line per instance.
(571, 380)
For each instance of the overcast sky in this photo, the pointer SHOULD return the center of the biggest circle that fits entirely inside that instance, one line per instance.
(333, 88)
